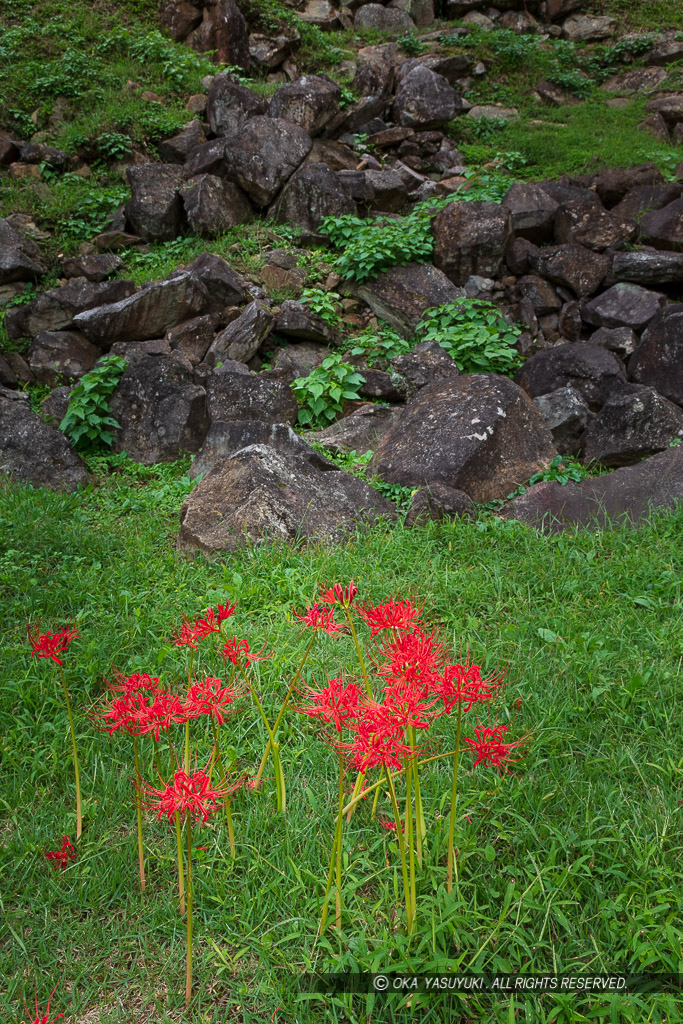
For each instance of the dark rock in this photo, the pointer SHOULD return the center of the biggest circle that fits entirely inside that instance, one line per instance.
(225, 286)
(572, 266)
(269, 53)
(264, 493)
(669, 107)
(389, 194)
(263, 154)
(658, 360)
(360, 431)
(243, 337)
(470, 238)
(587, 28)
(656, 125)
(54, 406)
(192, 338)
(648, 267)
(147, 314)
(95, 267)
(39, 153)
(207, 159)
(226, 438)
(223, 33)
(453, 67)
(646, 198)
(230, 105)
(312, 193)
(237, 396)
(384, 19)
(155, 210)
(8, 378)
(585, 221)
(612, 184)
(532, 211)
(566, 415)
(58, 355)
(632, 425)
(357, 185)
(620, 340)
(666, 52)
(336, 155)
(623, 305)
(298, 360)
(162, 412)
(401, 295)
(177, 149)
(33, 452)
(542, 296)
(437, 501)
(19, 367)
(55, 309)
(214, 205)
(19, 256)
(179, 18)
(296, 320)
(664, 228)
(425, 364)
(425, 100)
(381, 386)
(311, 101)
(518, 253)
(421, 11)
(589, 369)
(478, 433)
(9, 150)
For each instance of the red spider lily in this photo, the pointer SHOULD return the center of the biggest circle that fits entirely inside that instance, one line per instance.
(60, 859)
(45, 1019)
(403, 707)
(137, 683)
(414, 659)
(464, 684)
(49, 645)
(237, 650)
(127, 713)
(390, 825)
(321, 619)
(489, 747)
(401, 615)
(190, 633)
(210, 697)
(188, 795)
(338, 594)
(337, 702)
(373, 750)
(165, 709)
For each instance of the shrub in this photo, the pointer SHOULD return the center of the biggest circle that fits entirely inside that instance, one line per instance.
(474, 334)
(88, 415)
(371, 246)
(322, 394)
(323, 304)
(379, 343)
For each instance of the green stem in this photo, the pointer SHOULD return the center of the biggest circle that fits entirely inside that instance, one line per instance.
(357, 789)
(181, 870)
(335, 858)
(402, 851)
(420, 826)
(409, 831)
(339, 843)
(188, 976)
(79, 816)
(187, 747)
(228, 812)
(454, 801)
(358, 651)
(138, 803)
(279, 780)
(359, 796)
(297, 674)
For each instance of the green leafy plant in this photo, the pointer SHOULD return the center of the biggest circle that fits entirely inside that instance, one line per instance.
(370, 246)
(379, 344)
(474, 334)
(113, 145)
(321, 395)
(410, 44)
(324, 304)
(563, 469)
(88, 416)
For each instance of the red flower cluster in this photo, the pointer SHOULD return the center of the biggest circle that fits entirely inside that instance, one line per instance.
(338, 702)
(400, 615)
(321, 620)
(60, 859)
(210, 697)
(490, 748)
(238, 650)
(211, 623)
(49, 645)
(339, 595)
(187, 795)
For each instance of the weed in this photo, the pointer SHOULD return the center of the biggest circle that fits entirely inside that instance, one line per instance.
(322, 394)
(410, 44)
(379, 344)
(474, 334)
(88, 416)
(324, 304)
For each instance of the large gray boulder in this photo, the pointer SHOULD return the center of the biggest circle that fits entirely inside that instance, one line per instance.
(426, 363)
(263, 154)
(664, 228)
(312, 193)
(470, 238)
(155, 210)
(263, 493)
(567, 415)
(591, 370)
(224, 285)
(297, 321)
(58, 355)
(214, 205)
(360, 431)
(648, 267)
(623, 305)
(532, 211)
(238, 396)
(632, 425)
(583, 220)
(401, 295)
(176, 149)
(148, 313)
(162, 412)
(229, 436)
(425, 100)
(56, 308)
(478, 433)
(33, 452)
(384, 19)
(242, 338)
(230, 105)
(572, 266)
(19, 256)
(311, 102)
(658, 360)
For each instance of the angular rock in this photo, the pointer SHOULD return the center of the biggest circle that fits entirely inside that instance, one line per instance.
(591, 370)
(230, 105)
(623, 305)
(427, 363)
(53, 408)
(646, 198)
(179, 18)
(380, 386)
(542, 296)
(421, 11)
(620, 340)
(238, 396)
(94, 267)
(470, 238)
(147, 314)
(206, 159)
(478, 433)
(56, 308)
(666, 52)
(177, 149)
(9, 150)
(193, 338)
(263, 154)
(572, 266)
(586, 28)
(648, 267)
(424, 100)
(312, 193)
(243, 337)
(58, 355)
(264, 493)
(214, 205)
(226, 438)
(296, 320)
(664, 228)
(612, 184)
(585, 221)
(656, 125)
(311, 101)
(658, 360)
(517, 255)
(162, 412)
(384, 19)
(631, 426)
(640, 80)
(532, 211)
(566, 415)
(336, 155)
(33, 452)
(401, 295)
(19, 256)
(490, 112)
(224, 285)
(669, 107)
(223, 33)
(389, 194)
(437, 501)
(269, 53)
(155, 211)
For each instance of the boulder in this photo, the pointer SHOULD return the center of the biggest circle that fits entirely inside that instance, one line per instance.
(293, 361)
(162, 412)
(214, 205)
(437, 501)
(640, 80)
(401, 295)
(227, 437)
(532, 211)
(625, 496)
(669, 107)
(19, 256)
(571, 266)
(470, 238)
(179, 18)
(623, 305)
(425, 100)
(648, 267)
(590, 369)
(297, 320)
(54, 406)
(56, 308)
(243, 337)
(58, 355)
(666, 51)
(155, 211)
(146, 314)
(656, 126)
(208, 158)
(620, 340)
(566, 415)
(425, 364)
(645, 199)
(585, 221)
(612, 184)
(478, 433)
(192, 338)
(588, 28)
(658, 360)
(223, 33)
(421, 11)
(264, 493)
(177, 149)
(94, 267)
(224, 285)
(240, 396)
(384, 19)
(230, 105)
(312, 193)
(263, 154)
(389, 193)
(33, 452)
(311, 101)
(542, 296)
(491, 112)
(358, 432)
(268, 53)
(664, 228)
(632, 425)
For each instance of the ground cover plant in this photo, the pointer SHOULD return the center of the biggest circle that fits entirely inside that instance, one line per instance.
(569, 863)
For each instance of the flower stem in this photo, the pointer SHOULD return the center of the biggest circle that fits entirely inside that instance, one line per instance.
(138, 803)
(339, 843)
(402, 851)
(79, 816)
(181, 870)
(420, 827)
(454, 801)
(262, 766)
(228, 812)
(359, 652)
(409, 830)
(335, 858)
(188, 976)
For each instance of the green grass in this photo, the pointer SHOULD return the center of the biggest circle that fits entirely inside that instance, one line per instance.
(583, 838)
(641, 15)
